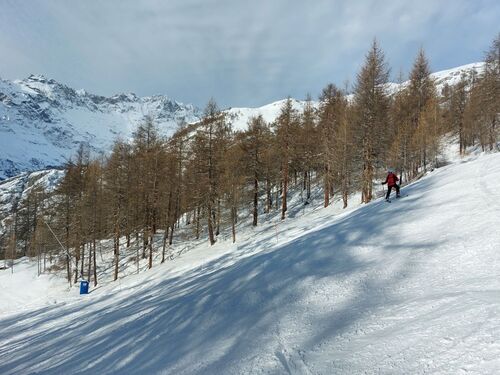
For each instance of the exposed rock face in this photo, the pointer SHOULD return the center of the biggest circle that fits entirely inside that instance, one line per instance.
(43, 122)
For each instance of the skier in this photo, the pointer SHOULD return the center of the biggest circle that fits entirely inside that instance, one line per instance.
(391, 181)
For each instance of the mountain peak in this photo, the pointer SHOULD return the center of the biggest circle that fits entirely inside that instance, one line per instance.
(40, 78)
(36, 77)
(125, 97)
(43, 121)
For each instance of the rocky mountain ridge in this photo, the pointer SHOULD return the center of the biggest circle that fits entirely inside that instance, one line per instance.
(43, 122)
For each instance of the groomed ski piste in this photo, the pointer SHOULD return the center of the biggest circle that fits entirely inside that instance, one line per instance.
(411, 287)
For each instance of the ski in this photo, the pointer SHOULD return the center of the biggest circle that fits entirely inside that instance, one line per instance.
(401, 196)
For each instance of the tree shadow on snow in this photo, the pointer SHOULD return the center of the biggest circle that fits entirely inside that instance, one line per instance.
(219, 314)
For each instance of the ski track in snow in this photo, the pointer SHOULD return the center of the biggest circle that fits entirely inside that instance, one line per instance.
(406, 288)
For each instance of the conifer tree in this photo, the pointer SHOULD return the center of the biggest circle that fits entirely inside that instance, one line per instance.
(421, 97)
(491, 92)
(284, 131)
(209, 147)
(328, 121)
(234, 181)
(371, 105)
(147, 149)
(307, 141)
(343, 147)
(116, 176)
(254, 144)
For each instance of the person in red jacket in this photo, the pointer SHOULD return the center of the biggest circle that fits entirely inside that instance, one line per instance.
(391, 182)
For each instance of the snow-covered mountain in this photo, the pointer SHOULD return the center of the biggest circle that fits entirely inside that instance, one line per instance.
(239, 117)
(361, 292)
(269, 112)
(43, 122)
(451, 77)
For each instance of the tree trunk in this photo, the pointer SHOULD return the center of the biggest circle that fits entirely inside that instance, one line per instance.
(150, 263)
(255, 199)
(217, 229)
(89, 268)
(164, 244)
(269, 198)
(198, 209)
(308, 185)
(285, 191)
(171, 238)
(326, 187)
(233, 222)
(145, 238)
(68, 268)
(83, 262)
(211, 236)
(95, 263)
(77, 261)
(116, 252)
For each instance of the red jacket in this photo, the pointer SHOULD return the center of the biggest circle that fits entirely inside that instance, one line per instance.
(391, 179)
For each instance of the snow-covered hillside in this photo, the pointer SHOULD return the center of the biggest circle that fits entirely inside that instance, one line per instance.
(451, 77)
(240, 116)
(13, 189)
(16, 189)
(409, 287)
(43, 122)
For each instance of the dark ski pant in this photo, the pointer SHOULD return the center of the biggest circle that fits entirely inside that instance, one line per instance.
(389, 188)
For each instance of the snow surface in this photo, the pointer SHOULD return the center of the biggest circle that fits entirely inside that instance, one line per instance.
(23, 289)
(410, 287)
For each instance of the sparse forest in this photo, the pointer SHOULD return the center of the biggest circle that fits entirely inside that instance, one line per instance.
(207, 177)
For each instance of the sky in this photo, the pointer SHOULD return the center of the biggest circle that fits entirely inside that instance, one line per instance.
(241, 53)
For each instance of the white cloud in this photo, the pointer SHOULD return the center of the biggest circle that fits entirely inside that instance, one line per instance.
(240, 52)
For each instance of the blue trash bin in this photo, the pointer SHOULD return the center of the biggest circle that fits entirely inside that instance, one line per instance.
(84, 287)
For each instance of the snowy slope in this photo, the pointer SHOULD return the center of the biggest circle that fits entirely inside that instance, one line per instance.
(410, 287)
(452, 76)
(270, 112)
(27, 290)
(240, 116)
(43, 122)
